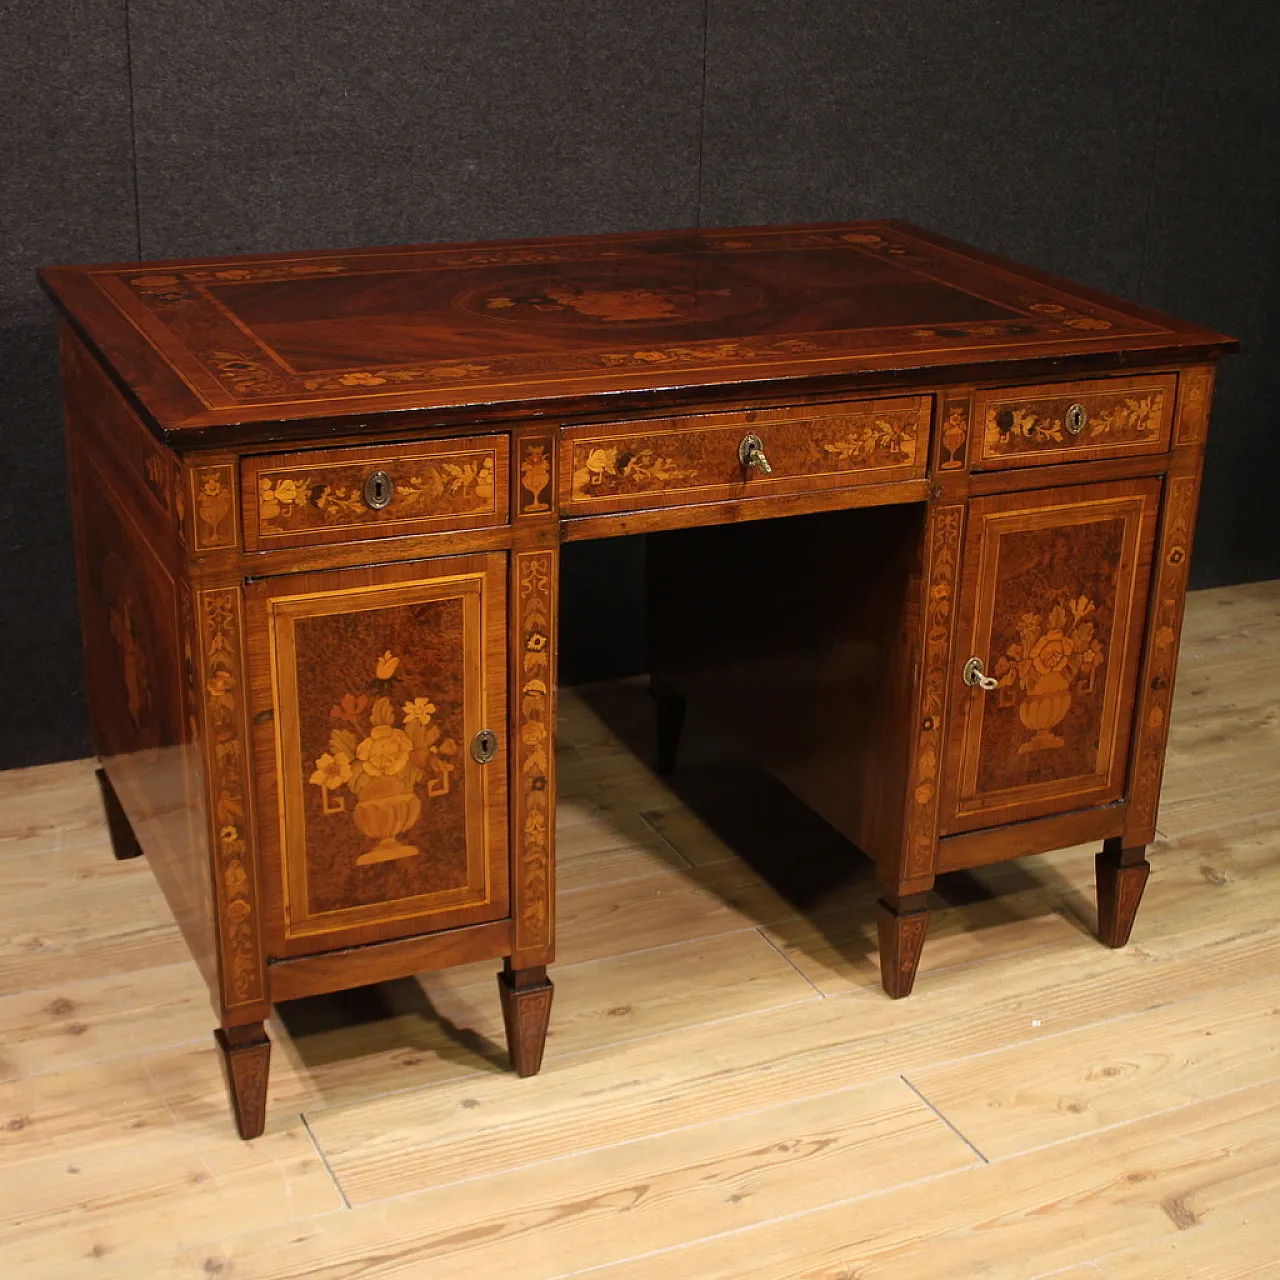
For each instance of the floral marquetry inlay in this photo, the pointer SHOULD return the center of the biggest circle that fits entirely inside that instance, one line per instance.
(946, 525)
(213, 500)
(705, 453)
(536, 462)
(1040, 421)
(608, 470)
(224, 707)
(534, 818)
(953, 434)
(385, 759)
(296, 500)
(381, 697)
(1156, 696)
(1055, 655)
(888, 439)
(1054, 609)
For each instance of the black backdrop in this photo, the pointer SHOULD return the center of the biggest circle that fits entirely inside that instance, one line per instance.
(1131, 144)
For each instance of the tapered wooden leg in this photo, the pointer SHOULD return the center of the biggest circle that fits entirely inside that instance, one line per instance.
(671, 707)
(246, 1060)
(1122, 876)
(526, 1009)
(123, 842)
(902, 924)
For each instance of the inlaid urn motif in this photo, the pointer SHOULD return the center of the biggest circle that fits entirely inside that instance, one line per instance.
(380, 757)
(1052, 654)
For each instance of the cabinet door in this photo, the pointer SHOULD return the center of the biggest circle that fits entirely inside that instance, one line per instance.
(1053, 602)
(380, 816)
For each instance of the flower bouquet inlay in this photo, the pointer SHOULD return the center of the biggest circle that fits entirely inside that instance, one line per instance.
(1051, 655)
(384, 758)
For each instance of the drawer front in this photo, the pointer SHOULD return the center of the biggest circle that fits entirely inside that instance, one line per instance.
(631, 466)
(1074, 421)
(299, 499)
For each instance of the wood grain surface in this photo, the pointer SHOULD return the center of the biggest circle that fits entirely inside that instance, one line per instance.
(726, 1095)
(259, 347)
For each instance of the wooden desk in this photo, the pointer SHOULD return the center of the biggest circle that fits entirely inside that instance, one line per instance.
(921, 523)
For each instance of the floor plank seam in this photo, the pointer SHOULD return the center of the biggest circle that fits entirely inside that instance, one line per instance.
(1224, 825)
(600, 887)
(760, 929)
(967, 1142)
(1042, 1036)
(324, 1160)
(977, 961)
(580, 1151)
(652, 1035)
(797, 1216)
(98, 1062)
(1132, 1120)
(1092, 1264)
(660, 946)
(551, 1059)
(7, 993)
(642, 815)
(208, 1243)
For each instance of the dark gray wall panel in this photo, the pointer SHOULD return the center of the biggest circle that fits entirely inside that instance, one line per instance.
(281, 126)
(300, 125)
(66, 195)
(1133, 146)
(1025, 129)
(1213, 255)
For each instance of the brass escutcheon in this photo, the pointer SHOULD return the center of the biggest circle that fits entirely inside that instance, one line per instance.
(379, 489)
(975, 674)
(1077, 419)
(484, 746)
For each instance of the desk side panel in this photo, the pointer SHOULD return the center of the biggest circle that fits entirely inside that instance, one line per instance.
(135, 609)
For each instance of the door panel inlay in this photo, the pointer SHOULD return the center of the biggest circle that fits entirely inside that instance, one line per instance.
(1055, 595)
(378, 690)
(1054, 614)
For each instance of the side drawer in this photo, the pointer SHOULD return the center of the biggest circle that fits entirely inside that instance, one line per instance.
(1074, 421)
(378, 491)
(633, 466)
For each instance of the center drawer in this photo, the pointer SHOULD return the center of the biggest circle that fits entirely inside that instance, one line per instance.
(716, 457)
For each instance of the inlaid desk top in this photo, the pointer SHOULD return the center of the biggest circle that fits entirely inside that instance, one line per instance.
(232, 350)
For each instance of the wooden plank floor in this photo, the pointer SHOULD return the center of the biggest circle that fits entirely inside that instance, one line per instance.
(726, 1094)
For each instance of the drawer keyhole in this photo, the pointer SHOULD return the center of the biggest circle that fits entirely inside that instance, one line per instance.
(378, 490)
(1077, 419)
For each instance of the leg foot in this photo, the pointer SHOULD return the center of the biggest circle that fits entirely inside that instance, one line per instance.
(246, 1057)
(1122, 876)
(902, 925)
(526, 1009)
(123, 842)
(671, 707)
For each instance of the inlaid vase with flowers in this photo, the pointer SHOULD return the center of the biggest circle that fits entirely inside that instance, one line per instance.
(1051, 655)
(382, 763)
